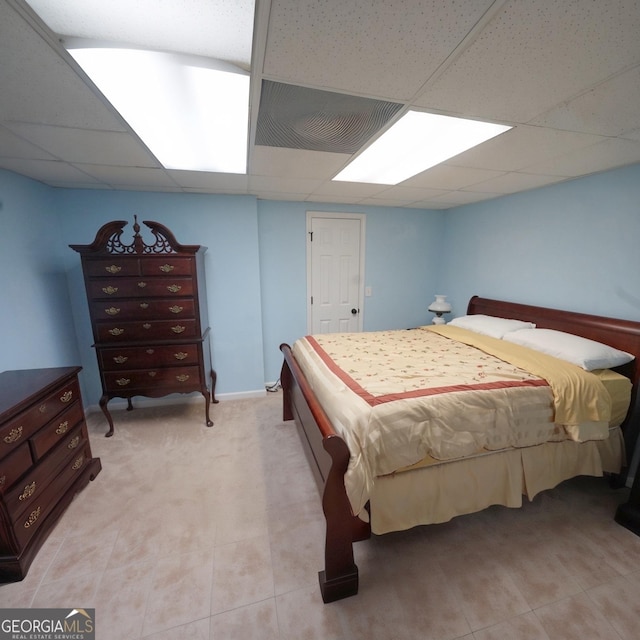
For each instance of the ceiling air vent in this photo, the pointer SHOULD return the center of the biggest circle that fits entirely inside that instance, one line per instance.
(301, 118)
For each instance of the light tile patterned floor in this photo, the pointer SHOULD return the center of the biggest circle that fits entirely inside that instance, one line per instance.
(217, 534)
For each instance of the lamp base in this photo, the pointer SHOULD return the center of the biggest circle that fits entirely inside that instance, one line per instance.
(439, 320)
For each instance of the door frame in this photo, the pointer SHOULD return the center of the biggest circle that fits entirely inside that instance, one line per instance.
(337, 216)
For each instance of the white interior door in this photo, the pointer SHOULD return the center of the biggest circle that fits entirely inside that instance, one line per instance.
(335, 265)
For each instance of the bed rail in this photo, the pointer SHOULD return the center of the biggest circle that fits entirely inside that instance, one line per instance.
(328, 455)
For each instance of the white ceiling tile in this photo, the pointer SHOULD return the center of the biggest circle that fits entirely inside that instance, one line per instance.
(349, 189)
(288, 185)
(514, 182)
(205, 180)
(466, 197)
(522, 146)
(129, 176)
(540, 53)
(12, 146)
(409, 193)
(296, 163)
(85, 146)
(610, 153)
(38, 85)
(343, 199)
(610, 109)
(47, 170)
(445, 176)
(369, 48)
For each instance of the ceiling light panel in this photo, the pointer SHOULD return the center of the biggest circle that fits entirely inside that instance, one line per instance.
(415, 143)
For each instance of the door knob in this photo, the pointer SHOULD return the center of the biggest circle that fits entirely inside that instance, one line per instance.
(355, 311)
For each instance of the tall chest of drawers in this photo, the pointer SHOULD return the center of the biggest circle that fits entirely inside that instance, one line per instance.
(45, 459)
(148, 308)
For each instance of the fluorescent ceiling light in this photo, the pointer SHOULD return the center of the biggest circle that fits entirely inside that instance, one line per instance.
(192, 112)
(415, 143)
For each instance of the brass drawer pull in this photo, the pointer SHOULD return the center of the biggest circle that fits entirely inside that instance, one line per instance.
(123, 382)
(78, 463)
(182, 377)
(153, 374)
(62, 427)
(144, 305)
(174, 288)
(181, 355)
(178, 329)
(167, 268)
(176, 309)
(33, 516)
(142, 284)
(74, 443)
(3, 479)
(29, 490)
(120, 359)
(116, 331)
(66, 396)
(14, 435)
(42, 408)
(110, 290)
(114, 268)
(146, 325)
(112, 311)
(150, 351)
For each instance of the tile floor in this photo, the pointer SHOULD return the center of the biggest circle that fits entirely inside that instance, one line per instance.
(217, 534)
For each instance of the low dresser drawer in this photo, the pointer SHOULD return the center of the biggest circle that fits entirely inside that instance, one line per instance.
(14, 465)
(19, 429)
(145, 331)
(31, 486)
(56, 430)
(118, 359)
(141, 309)
(114, 288)
(27, 522)
(176, 378)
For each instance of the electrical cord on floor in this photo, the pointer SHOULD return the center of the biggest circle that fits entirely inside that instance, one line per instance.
(274, 387)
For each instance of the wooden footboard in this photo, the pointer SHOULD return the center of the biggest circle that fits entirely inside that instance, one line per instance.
(328, 456)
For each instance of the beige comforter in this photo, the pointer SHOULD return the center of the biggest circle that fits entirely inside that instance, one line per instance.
(398, 396)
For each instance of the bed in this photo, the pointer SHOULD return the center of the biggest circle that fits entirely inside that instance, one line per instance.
(519, 432)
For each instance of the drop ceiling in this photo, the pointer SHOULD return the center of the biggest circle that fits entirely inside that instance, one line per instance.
(565, 74)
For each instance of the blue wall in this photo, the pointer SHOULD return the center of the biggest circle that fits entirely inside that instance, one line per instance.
(571, 245)
(36, 326)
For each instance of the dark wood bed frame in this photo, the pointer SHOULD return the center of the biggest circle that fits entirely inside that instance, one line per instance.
(328, 454)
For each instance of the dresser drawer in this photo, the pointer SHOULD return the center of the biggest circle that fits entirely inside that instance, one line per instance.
(28, 490)
(119, 359)
(28, 521)
(143, 309)
(14, 465)
(177, 378)
(146, 331)
(56, 430)
(17, 430)
(112, 267)
(114, 288)
(167, 265)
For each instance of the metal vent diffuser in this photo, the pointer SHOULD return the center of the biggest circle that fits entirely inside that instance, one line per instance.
(301, 118)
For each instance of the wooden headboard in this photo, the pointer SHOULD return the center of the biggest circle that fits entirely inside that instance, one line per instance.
(621, 334)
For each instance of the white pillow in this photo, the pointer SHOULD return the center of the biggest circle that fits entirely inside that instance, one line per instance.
(490, 325)
(587, 354)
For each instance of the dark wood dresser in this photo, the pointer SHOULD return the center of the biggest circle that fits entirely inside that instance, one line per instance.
(45, 459)
(148, 308)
